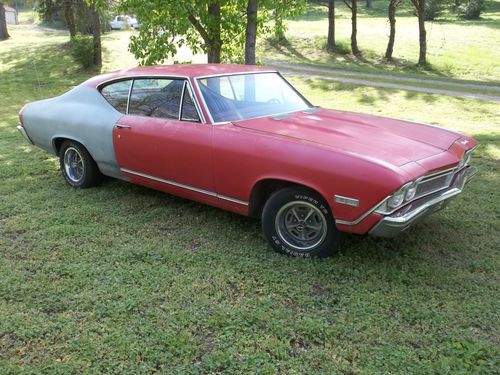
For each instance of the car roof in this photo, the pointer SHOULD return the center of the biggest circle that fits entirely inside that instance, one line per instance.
(181, 70)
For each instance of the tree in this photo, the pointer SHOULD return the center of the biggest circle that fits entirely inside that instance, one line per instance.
(369, 4)
(49, 10)
(95, 22)
(69, 17)
(353, 6)
(279, 27)
(330, 5)
(4, 34)
(167, 26)
(420, 8)
(212, 26)
(251, 32)
(393, 4)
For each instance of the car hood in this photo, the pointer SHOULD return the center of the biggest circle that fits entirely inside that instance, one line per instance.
(391, 141)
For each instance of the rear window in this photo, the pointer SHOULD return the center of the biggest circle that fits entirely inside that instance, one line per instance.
(117, 94)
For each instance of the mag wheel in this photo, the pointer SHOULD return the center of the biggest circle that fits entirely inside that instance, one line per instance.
(297, 222)
(77, 166)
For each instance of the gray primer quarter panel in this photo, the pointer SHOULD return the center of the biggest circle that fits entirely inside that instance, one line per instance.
(81, 114)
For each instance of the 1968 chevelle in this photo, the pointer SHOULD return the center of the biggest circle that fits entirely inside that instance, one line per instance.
(243, 139)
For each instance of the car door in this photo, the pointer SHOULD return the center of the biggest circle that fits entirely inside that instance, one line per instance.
(160, 142)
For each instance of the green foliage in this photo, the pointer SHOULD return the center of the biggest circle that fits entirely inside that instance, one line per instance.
(167, 26)
(49, 10)
(82, 50)
(432, 9)
(464, 357)
(471, 10)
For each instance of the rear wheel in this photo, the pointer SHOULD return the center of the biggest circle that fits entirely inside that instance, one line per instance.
(297, 222)
(77, 166)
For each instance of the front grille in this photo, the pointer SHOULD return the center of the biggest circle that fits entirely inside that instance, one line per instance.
(434, 183)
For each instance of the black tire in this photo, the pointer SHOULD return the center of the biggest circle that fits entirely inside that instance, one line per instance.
(286, 230)
(77, 166)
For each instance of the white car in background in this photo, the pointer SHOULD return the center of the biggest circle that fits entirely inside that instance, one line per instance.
(124, 22)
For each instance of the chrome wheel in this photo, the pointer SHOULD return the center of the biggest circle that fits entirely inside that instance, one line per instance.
(301, 225)
(73, 165)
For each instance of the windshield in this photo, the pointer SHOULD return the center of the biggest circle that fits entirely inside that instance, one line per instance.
(246, 96)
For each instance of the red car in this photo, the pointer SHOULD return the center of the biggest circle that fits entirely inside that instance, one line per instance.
(243, 139)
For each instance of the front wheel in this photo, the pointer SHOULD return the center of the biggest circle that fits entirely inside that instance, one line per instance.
(297, 222)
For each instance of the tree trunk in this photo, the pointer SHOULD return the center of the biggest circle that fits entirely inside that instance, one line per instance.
(279, 30)
(214, 45)
(369, 4)
(213, 54)
(69, 17)
(354, 30)
(96, 36)
(251, 32)
(4, 34)
(392, 30)
(422, 57)
(330, 43)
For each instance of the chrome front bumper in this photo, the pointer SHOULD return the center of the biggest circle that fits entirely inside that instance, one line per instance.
(401, 220)
(25, 135)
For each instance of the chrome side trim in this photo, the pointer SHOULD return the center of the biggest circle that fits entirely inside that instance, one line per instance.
(129, 95)
(196, 104)
(182, 99)
(234, 200)
(137, 76)
(362, 217)
(187, 187)
(235, 74)
(346, 200)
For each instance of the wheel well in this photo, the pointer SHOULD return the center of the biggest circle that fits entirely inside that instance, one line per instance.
(58, 142)
(264, 189)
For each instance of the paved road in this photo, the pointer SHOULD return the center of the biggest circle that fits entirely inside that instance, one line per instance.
(357, 78)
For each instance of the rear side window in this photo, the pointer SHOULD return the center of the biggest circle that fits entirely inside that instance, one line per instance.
(156, 97)
(117, 94)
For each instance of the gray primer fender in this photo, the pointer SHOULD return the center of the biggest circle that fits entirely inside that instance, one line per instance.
(81, 114)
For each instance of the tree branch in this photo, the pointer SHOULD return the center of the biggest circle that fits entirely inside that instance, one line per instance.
(197, 25)
(347, 3)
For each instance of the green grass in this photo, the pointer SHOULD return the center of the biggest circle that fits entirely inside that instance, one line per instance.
(456, 49)
(122, 279)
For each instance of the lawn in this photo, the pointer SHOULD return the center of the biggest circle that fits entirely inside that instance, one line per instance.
(456, 49)
(122, 279)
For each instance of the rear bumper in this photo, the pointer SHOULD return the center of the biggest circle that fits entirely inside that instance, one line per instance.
(401, 220)
(25, 135)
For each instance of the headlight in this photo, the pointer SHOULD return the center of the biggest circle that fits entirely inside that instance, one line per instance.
(396, 199)
(404, 194)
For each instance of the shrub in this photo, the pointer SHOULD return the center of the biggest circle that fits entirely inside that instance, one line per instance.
(82, 50)
(471, 10)
(432, 9)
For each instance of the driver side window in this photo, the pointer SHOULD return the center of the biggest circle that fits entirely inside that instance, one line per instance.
(154, 97)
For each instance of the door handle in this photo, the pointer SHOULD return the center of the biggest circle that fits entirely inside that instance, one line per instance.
(120, 126)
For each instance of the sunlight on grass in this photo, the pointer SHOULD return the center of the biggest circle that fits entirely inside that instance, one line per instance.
(465, 50)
